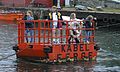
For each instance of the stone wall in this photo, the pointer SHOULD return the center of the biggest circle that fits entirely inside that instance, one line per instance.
(102, 3)
(91, 3)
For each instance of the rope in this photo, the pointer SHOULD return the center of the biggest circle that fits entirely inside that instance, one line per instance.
(7, 56)
(11, 54)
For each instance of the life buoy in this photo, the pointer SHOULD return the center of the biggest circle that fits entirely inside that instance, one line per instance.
(96, 47)
(105, 19)
(112, 20)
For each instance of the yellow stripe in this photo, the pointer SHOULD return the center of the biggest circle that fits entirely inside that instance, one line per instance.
(50, 15)
(59, 15)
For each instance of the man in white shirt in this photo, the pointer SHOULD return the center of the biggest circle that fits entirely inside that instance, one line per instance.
(55, 19)
(54, 15)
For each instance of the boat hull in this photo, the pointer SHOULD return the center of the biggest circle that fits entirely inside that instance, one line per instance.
(48, 46)
(57, 52)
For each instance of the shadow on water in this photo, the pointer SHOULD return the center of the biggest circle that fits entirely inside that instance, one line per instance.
(108, 59)
(23, 66)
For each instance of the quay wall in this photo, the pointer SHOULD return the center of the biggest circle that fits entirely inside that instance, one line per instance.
(104, 18)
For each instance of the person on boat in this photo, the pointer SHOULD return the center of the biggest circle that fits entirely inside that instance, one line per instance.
(55, 16)
(74, 26)
(88, 23)
(29, 26)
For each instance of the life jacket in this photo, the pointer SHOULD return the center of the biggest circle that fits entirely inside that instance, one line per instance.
(58, 14)
(88, 24)
(28, 24)
(59, 18)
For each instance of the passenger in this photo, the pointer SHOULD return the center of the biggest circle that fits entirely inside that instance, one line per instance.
(29, 26)
(74, 26)
(54, 15)
(88, 24)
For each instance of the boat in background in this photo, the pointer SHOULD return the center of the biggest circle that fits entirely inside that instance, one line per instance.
(11, 16)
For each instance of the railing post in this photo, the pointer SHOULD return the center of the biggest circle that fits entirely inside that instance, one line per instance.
(39, 31)
(67, 32)
(49, 31)
(19, 33)
(44, 32)
(80, 32)
(22, 31)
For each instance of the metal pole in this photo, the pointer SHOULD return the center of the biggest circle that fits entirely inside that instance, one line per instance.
(58, 4)
(67, 3)
(13, 3)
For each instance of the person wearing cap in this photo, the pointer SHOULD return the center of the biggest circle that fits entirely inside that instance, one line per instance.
(55, 16)
(28, 26)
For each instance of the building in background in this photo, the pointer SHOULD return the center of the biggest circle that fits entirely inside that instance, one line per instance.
(27, 3)
(15, 3)
(47, 3)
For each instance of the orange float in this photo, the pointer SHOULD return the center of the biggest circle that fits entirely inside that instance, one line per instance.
(11, 16)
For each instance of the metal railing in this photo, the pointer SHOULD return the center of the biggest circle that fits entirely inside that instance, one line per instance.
(44, 32)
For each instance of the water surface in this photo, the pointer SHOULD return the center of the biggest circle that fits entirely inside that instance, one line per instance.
(108, 59)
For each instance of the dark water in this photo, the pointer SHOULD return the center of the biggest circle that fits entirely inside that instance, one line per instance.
(108, 57)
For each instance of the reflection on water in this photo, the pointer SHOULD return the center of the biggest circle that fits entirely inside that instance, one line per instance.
(108, 57)
(68, 67)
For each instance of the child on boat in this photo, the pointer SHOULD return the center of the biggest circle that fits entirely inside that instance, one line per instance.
(74, 26)
(29, 26)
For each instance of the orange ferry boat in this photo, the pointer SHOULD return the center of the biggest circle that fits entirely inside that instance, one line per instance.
(43, 49)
